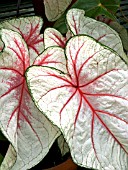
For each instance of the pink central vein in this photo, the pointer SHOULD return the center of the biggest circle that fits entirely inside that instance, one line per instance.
(19, 105)
(59, 42)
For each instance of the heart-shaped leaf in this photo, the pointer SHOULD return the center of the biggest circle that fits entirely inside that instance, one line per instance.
(80, 24)
(89, 103)
(29, 28)
(29, 131)
(54, 9)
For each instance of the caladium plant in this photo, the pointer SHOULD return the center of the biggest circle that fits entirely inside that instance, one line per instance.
(28, 130)
(78, 82)
(85, 93)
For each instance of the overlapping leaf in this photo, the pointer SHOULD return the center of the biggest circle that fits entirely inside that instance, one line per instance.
(29, 28)
(52, 37)
(118, 28)
(80, 24)
(29, 131)
(52, 57)
(55, 8)
(89, 103)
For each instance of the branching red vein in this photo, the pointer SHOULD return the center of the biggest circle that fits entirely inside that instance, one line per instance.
(74, 68)
(94, 113)
(19, 106)
(60, 43)
(20, 100)
(112, 115)
(49, 62)
(13, 88)
(11, 69)
(22, 55)
(29, 123)
(12, 116)
(101, 37)
(98, 77)
(19, 57)
(74, 26)
(110, 132)
(67, 102)
(32, 30)
(58, 77)
(43, 59)
(38, 40)
(34, 41)
(26, 39)
(92, 122)
(108, 95)
(78, 110)
(86, 61)
(36, 51)
(55, 88)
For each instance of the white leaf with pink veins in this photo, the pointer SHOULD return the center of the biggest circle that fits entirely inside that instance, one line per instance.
(89, 103)
(80, 24)
(29, 28)
(29, 131)
(52, 37)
